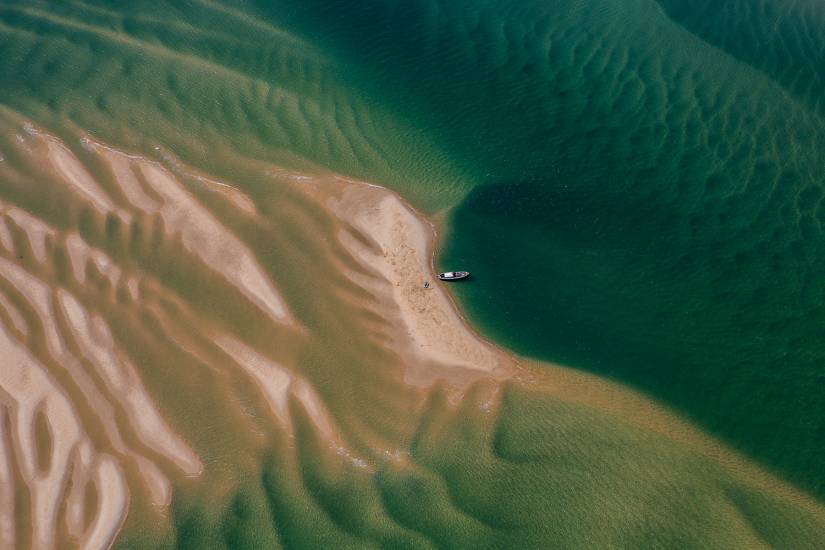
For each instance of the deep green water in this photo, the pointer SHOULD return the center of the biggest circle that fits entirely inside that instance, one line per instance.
(636, 185)
(676, 242)
(646, 191)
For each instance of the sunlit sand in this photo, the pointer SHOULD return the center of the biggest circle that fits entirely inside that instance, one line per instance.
(154, 290)
(399, 252)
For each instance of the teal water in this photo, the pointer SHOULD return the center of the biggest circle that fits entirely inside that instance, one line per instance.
(647, 185)
(637, 186)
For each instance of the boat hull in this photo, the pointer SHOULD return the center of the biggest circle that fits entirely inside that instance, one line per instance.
(454, 276)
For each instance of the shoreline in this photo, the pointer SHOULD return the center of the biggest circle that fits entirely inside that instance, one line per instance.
(373, 251)
(572, 385)
(402, 252)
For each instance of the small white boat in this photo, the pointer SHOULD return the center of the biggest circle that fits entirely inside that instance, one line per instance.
(453, 275)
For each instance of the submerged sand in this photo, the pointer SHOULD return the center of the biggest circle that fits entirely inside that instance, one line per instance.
(160, 328)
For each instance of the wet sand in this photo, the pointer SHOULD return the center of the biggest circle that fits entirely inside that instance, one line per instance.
(163, 331)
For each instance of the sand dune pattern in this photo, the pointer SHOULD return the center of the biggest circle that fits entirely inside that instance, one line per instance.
(130, 284)
(45, 445)
(64, 369)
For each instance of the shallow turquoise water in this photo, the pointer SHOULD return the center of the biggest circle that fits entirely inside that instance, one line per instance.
(636, 185)
(646, 191)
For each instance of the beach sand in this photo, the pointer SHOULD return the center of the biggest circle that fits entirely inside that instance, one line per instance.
(164, 332)
(396, 246)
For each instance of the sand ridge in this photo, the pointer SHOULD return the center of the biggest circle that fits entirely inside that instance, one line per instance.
(401, 254)
(359, 347)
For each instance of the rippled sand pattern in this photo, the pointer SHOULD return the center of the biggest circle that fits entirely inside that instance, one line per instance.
(143, 305)
(76, 415)
(782, 39)
(214, 333)
(206, 76)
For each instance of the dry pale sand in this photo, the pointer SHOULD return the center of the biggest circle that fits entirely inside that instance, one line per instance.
(121, 384)
(396, 245)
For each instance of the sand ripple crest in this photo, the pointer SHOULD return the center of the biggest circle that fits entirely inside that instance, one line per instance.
(166, 336)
